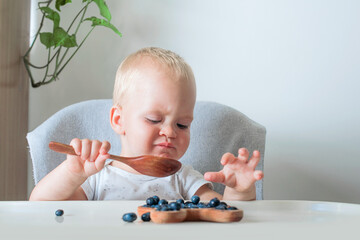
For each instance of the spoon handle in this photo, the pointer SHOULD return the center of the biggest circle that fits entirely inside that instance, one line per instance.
(62, 148)
(67, 149)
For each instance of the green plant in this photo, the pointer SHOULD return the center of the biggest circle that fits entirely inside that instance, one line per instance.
(59, 42)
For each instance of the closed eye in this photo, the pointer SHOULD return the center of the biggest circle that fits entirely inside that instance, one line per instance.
(182, 126)
(153, 121)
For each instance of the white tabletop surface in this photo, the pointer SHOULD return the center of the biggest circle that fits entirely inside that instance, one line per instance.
(103, 220)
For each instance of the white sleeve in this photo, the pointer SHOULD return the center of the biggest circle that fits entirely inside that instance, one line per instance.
(191, 181)
(89, 187)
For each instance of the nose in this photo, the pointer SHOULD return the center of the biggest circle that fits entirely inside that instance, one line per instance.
(168, 132)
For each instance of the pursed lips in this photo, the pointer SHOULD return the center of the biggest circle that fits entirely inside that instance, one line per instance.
(165, 145)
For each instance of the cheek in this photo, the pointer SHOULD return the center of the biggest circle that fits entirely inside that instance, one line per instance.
(146, 131)
(183, 145)
(185, 140)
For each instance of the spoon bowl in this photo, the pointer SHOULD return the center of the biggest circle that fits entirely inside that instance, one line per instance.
(146, 164)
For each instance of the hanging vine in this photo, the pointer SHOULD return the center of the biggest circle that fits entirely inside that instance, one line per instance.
(59, 42)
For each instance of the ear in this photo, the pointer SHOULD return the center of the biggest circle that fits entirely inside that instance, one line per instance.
(116, 119)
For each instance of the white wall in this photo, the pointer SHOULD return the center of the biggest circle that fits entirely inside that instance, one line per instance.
(292, 66)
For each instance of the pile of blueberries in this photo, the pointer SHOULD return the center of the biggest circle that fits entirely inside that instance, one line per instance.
(164, 205)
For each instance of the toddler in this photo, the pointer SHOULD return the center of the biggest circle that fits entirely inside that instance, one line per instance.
(153, 103)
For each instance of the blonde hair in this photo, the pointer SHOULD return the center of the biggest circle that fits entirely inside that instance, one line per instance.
(128, 70)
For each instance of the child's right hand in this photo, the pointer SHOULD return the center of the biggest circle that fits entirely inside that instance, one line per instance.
(91, 158)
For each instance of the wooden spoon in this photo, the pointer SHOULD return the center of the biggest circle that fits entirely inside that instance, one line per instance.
(147, 164)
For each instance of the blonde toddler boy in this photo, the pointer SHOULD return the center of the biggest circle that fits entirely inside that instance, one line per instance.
(153, 103)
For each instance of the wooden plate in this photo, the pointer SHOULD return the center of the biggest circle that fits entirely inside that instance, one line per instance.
(192, 214)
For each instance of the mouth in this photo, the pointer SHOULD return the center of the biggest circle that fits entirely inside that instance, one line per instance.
(165, 145)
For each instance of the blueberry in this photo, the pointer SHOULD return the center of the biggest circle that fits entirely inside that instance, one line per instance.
(163, 202)
(175, 206)
(188, 204)
(156, 199)
(202, 205)
(150, 201)
(146, 217)
(129, 217)
(180, 201)
(195, 199)
(59, 212)
(220, 207)
(214, 202)
(157, 207)
(231, 208)
(165, 208)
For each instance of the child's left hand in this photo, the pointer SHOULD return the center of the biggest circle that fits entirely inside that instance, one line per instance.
(238, 173)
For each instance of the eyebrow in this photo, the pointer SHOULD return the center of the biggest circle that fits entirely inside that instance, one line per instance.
(187, 118)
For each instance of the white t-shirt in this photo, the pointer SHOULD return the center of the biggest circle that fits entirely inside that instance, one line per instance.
(113, 183)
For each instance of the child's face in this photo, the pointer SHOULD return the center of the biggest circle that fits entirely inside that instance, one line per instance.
(156, 116)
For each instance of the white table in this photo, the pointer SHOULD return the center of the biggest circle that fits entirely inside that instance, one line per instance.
(103, 220)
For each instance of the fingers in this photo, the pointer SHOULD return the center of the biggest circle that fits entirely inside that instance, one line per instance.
(100, 161)
(243, 155)
(91, 150)
(105, 147)
(255, 159)
(85, 149)
(258, 175)
(214, 177)
(227, 158)
(95, 150)
(76, 144)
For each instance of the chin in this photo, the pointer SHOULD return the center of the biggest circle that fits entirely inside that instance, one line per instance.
(167, 155)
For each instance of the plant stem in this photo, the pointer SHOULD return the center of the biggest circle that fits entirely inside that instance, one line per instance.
(58, 72)
(76, 50)
(84, 9)
(33, 84)
(48, 63)
(77, 15)
(26, 58)
(77, 28)
(38, 31)
(47, 67)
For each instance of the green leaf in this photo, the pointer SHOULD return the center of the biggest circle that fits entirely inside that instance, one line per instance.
(104, 10)
(47, 39)
(61, 3)
(62, 38)
(52, 15)
(70, 41)
(102, 22)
